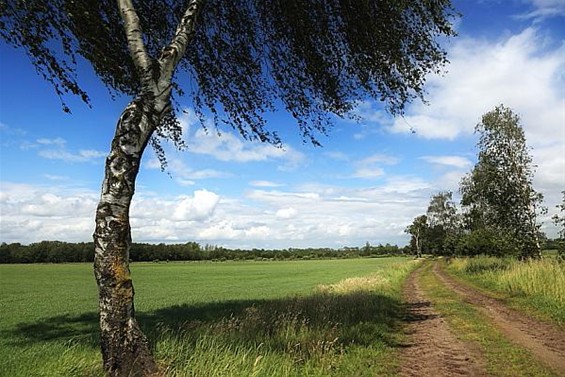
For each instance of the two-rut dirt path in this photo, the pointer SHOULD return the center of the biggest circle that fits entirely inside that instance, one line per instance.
(433, 350)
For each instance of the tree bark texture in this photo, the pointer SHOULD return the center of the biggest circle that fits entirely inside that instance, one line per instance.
(125, 349)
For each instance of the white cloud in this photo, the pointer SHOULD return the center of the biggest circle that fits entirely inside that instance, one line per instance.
(227, 146)
(35, 213)
(368, 173)
(349, 199)
(88, 154)
(369, 119)
(550, 180)
(222, 231)
(370, 167)
(517, 71)
(337, 155)
(307, 216)
(286, 213)
(544, 9)
(523, 72)
(265, 184)
(60, 142)
(64, 155)
(379, 158)
(57, 150)
(183, 174)
(199, 207)
(258, 232)
(450, 161)
(280, 195)
(12, 131)
(53, 177)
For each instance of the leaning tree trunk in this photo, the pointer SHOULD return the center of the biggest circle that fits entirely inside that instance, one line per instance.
(125, 349)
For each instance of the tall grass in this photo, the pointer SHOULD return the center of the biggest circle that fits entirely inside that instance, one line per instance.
(540, 284)
(343, 329)
(304, 318)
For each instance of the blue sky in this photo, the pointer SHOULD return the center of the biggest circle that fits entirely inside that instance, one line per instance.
(367, 183)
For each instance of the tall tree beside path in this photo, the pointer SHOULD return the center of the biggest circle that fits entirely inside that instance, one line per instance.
(498, 193)
(418, 230)
(443, 220)
(240, 59)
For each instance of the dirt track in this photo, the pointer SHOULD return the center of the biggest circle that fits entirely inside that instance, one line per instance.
(434, 351)
(545, 342)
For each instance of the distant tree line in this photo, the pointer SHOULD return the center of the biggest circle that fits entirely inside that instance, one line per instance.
(64, 252)
(498, 211)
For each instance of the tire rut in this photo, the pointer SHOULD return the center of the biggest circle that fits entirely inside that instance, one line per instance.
(432, 349)
(544, 341)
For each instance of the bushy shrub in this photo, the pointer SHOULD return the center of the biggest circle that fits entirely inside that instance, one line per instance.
(486, 242)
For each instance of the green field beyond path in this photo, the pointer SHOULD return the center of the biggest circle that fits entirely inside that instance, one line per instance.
(48, 321)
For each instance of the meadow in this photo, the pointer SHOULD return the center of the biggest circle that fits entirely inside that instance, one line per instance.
(292, 318)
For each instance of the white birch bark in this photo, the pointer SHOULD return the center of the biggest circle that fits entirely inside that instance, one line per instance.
(125, 349)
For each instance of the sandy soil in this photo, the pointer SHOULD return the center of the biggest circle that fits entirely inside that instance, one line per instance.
(432, 349)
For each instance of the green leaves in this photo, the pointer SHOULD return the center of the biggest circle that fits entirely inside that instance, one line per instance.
(498, 194)
(313, 58)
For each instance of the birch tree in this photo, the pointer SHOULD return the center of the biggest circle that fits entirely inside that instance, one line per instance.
(443, 220)
(498, 193)
(233, 61)
(418, 231)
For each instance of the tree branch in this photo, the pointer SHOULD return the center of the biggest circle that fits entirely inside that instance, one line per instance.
(173, 53)
(134, 36)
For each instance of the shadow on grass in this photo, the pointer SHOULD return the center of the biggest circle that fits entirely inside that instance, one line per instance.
(360, 318)
(82, 328)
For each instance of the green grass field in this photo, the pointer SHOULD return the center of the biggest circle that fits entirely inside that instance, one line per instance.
(212, 319)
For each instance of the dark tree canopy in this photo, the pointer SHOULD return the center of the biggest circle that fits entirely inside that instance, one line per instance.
(248, 57)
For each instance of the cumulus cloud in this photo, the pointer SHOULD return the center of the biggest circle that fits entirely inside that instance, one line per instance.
(310, 215)
(34, 213)
(518, 71)
(286, 213)
(199, 207)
